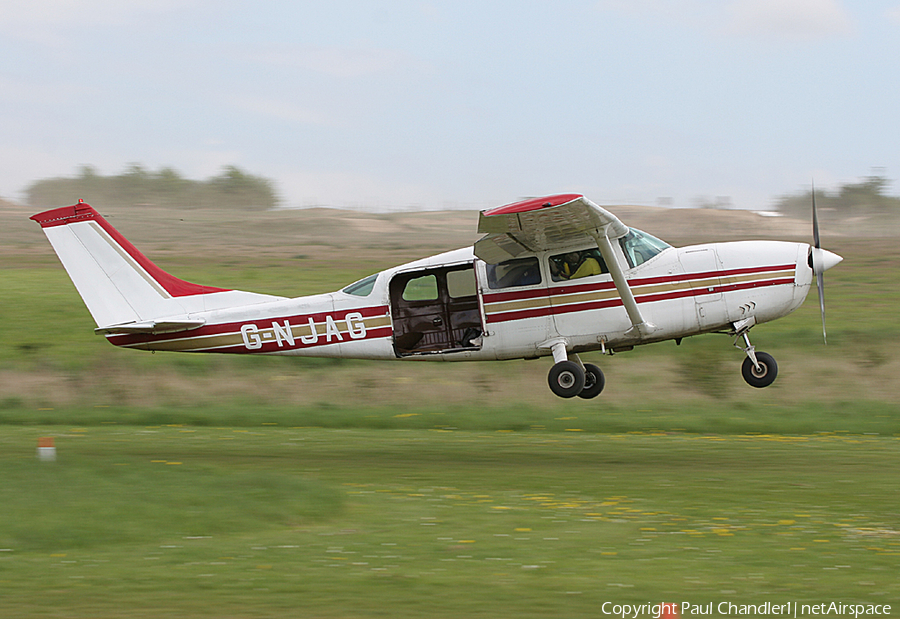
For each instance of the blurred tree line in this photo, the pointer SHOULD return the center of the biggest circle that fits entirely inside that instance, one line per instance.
(864, 204)
(233, 188)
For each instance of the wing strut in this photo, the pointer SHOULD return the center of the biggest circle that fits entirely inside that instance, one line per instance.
(639, 327)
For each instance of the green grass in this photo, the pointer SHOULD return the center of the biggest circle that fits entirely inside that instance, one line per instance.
(699, 417)
(176, 521)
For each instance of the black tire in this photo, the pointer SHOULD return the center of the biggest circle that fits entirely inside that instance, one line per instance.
(594, 382)
(566, 379)
(766, 374)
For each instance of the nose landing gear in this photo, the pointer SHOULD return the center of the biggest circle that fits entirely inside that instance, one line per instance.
(759, 368)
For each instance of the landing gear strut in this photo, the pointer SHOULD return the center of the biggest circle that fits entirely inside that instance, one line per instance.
(759, 368)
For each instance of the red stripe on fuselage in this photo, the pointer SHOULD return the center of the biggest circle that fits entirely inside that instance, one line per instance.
(295, 320)
(269, 346)
(569, 288)
(665, 279)
(562, 308)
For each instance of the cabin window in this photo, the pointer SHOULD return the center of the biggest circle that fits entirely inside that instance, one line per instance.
(577, 264)
(639, 247)
(363, 287)
(421, 289)
(461, 283)
(516, 272)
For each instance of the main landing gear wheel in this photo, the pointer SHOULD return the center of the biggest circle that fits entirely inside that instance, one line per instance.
(764, 375)
(566, 379)
(594, 382)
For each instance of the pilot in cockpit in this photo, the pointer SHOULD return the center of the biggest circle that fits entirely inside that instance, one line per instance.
(575, 265)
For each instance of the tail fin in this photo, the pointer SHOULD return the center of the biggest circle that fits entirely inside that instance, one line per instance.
(123, 290)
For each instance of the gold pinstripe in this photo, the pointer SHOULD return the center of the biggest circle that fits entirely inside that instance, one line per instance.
(508, 306)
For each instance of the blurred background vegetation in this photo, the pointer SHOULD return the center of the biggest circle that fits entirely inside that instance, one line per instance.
(232, 188)
(863, 207)
(860, 207)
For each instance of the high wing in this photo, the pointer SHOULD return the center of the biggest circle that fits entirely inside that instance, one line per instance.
(541, 224)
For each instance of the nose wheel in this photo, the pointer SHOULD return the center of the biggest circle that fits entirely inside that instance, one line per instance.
(763, 373)
(759, 368)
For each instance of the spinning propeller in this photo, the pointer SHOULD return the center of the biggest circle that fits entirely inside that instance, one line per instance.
(820, 260)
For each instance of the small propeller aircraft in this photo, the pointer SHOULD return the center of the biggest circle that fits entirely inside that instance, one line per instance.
(553, 276)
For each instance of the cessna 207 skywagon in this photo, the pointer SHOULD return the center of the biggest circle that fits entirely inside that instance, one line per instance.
(552, 276)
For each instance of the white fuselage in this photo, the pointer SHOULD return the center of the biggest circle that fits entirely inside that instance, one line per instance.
(450, 307)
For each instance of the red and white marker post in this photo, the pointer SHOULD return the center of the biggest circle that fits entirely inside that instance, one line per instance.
(46, 451)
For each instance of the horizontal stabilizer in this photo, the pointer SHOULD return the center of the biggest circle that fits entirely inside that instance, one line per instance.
(151, 327)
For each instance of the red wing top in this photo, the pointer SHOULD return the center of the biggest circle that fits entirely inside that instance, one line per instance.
(540, 224)
(532, 204)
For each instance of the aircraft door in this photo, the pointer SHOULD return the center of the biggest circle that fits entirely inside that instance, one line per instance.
(435, 310)
(702, 266)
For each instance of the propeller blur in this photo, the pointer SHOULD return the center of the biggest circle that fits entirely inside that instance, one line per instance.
(822, 260)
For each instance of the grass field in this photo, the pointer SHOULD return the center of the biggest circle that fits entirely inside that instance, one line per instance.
(214, 486)
(184, 521)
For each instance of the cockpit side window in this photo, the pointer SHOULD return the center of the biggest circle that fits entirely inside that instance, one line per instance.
(639, 247)
(515, 272)
(577, 264)
(363, 287)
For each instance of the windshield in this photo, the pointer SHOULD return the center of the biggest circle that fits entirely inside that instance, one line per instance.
(639, 247)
